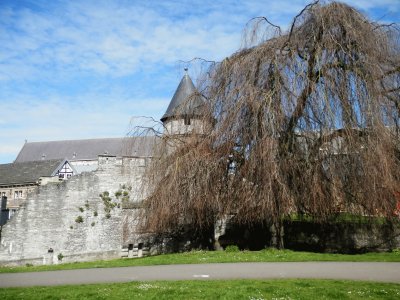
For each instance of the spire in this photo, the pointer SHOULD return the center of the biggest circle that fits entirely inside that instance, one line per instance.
(186, 100)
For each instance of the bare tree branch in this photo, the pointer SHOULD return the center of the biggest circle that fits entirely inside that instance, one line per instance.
(301, 122)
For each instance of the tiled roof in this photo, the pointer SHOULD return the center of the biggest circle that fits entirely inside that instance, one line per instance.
(28, 172)
(187, 101)
(88, 149)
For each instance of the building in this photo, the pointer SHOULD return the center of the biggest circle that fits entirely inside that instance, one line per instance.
(185, 111)
(83, 154)
(92, 215)
(19, 179)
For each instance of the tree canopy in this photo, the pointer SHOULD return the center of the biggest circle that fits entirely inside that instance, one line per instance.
(301, 122)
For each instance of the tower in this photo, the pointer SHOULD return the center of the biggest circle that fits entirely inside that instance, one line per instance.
(186, 110)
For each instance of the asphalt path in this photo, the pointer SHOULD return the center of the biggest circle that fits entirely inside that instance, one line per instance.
(370, 271)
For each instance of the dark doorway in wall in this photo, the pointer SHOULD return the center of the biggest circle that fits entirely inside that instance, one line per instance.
(140, 249)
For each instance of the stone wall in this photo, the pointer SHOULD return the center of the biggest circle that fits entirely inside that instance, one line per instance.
(69, 217)
(178, 126)
(342, 237)
(335, 237)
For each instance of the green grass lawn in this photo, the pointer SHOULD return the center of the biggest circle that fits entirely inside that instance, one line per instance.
(198, 257)
(219, 289)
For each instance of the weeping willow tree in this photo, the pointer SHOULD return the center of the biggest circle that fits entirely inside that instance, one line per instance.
(301, 122)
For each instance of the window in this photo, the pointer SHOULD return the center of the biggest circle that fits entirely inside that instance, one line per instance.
(69, 175)
(20, 194)
(11, 212)
(61, 176)
(187, 120)
(16, 195)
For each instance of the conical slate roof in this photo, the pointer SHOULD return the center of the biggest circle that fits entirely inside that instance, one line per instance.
(187, 101)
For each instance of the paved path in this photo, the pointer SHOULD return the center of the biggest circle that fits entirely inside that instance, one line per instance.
(374, 271)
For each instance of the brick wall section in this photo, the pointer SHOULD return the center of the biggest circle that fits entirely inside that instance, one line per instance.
(45, 219)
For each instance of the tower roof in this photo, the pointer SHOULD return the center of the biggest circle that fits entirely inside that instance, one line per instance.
(187, 101)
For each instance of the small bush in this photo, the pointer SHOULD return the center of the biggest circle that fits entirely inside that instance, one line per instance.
(81, 209)
(79, 219)
(108, 215)
(232, 248)
(396, 251)
(71, 227)
(125, 193)
(93, 223)
(87, 205)
(118, 193)
(60, 256)
(28, 265)
(95, 213)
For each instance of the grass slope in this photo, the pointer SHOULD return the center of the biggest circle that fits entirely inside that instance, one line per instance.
(220, 289)
(198, 257)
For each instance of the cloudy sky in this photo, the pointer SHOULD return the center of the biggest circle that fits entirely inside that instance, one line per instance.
(82, 69)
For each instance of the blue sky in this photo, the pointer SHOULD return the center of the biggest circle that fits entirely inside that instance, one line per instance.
(83, 69)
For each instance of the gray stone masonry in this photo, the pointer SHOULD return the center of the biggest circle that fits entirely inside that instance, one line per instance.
(69, 219)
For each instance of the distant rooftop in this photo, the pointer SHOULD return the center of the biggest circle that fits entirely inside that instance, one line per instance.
(28, 172)
(87, 149)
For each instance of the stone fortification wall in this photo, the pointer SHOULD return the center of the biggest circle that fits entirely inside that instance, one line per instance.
(334, 237)
(71, 220)
(342, 237)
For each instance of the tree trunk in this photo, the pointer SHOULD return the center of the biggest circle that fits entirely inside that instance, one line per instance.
(277, 233)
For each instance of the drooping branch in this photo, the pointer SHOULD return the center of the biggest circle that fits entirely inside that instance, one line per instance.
(312, 80)
(307, 7)
(301, 123)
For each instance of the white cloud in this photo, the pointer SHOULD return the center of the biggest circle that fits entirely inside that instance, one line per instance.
(80, 69)
(115, 38)
(106, 39)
